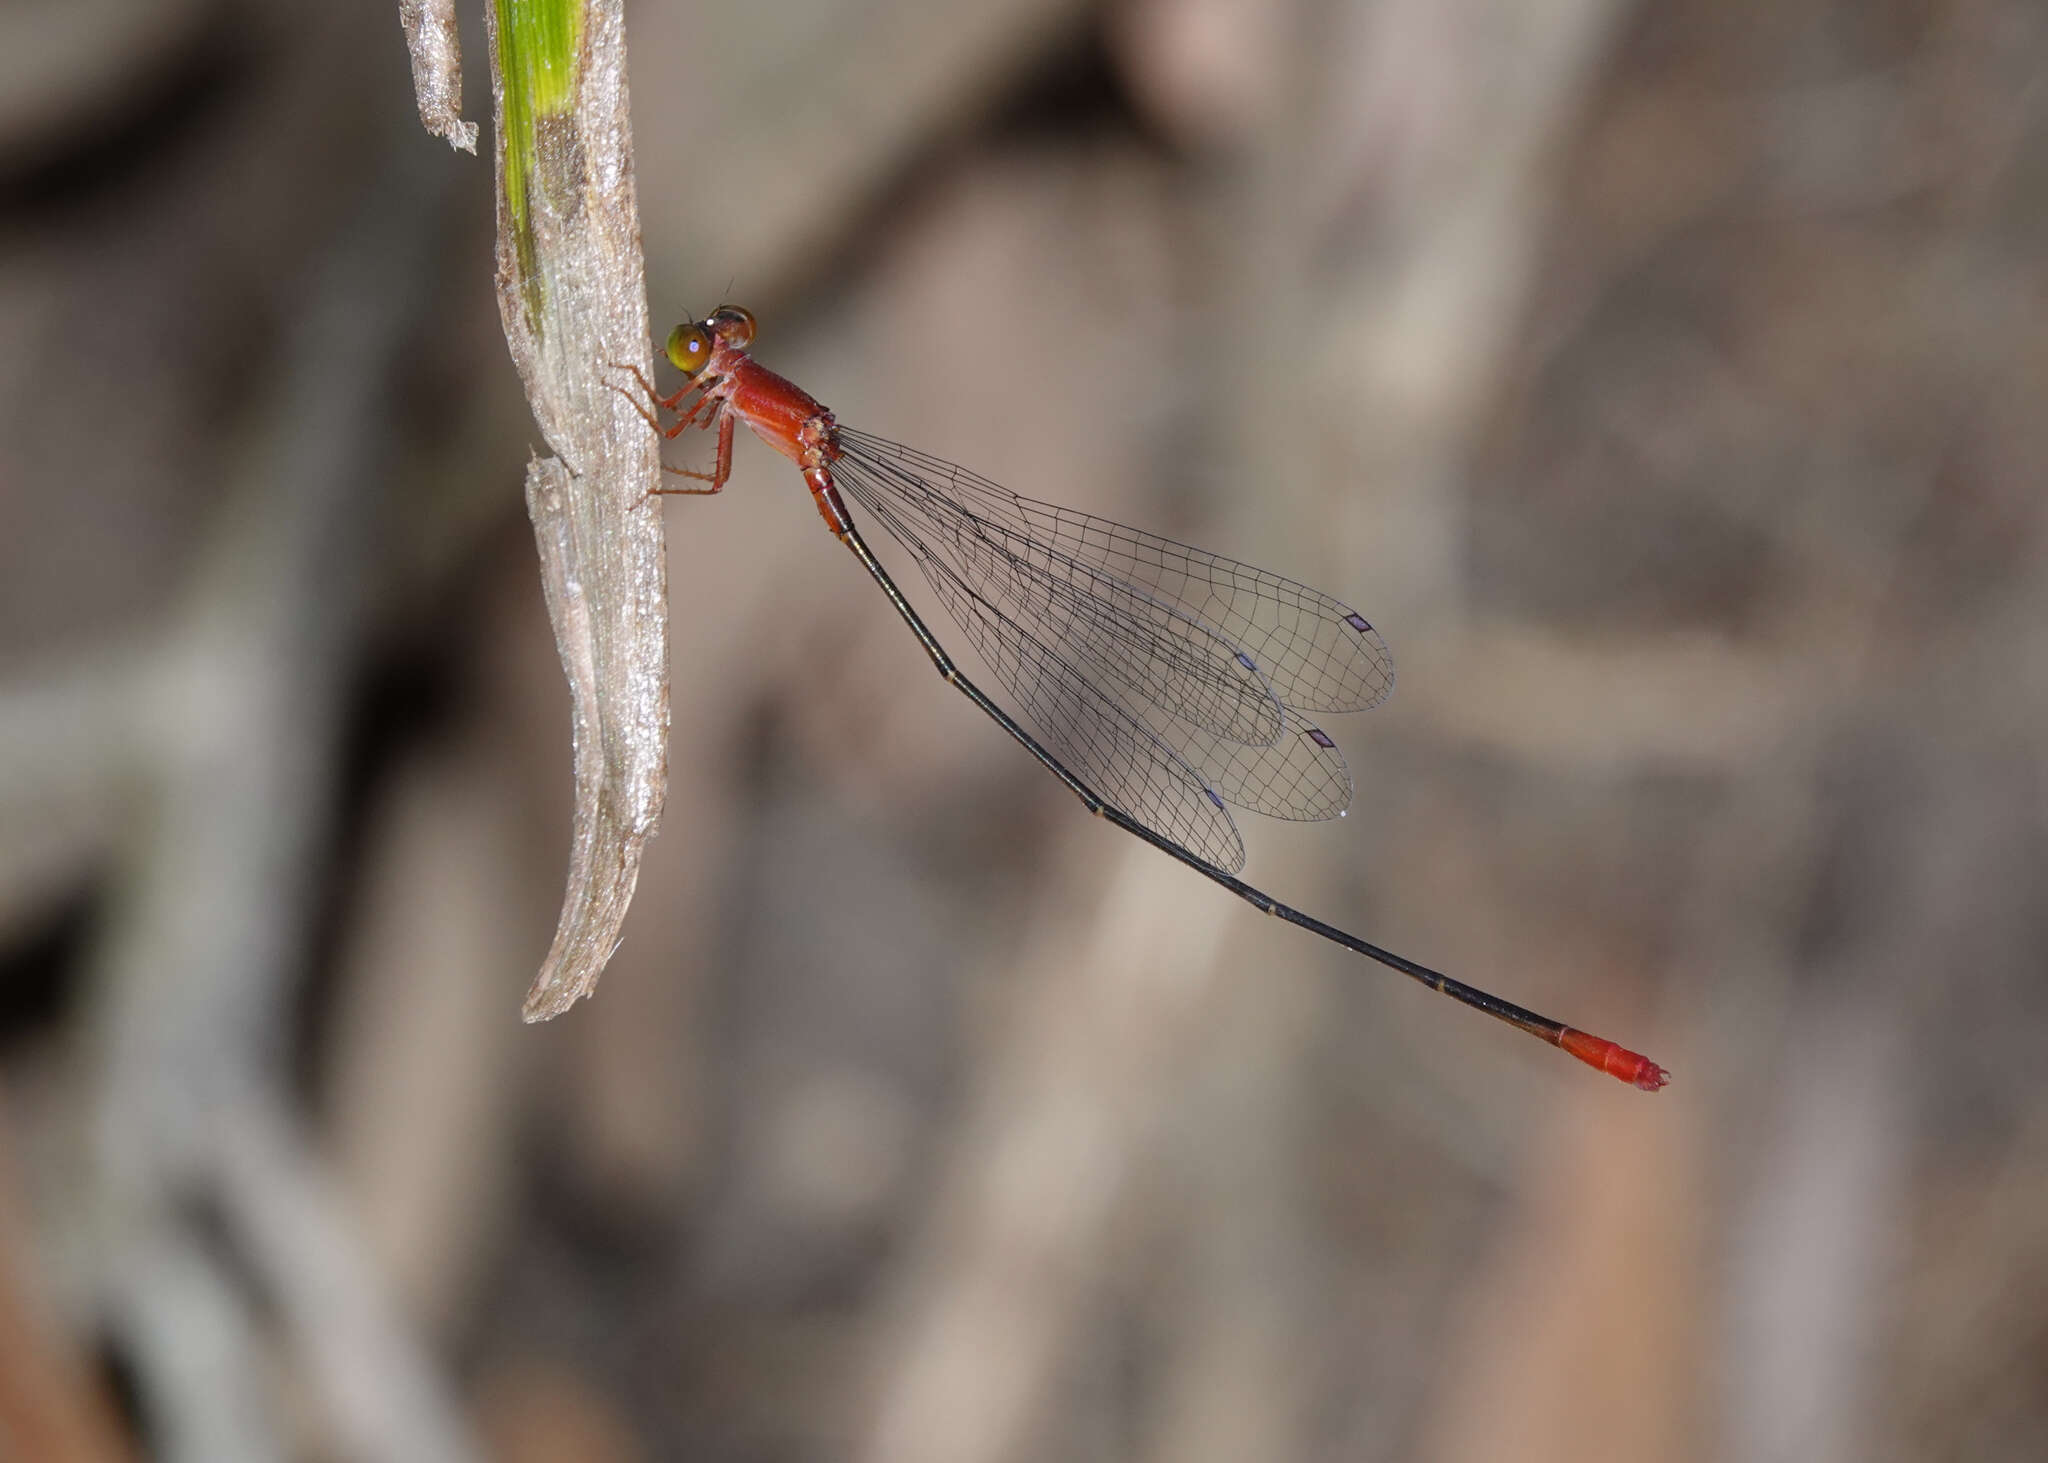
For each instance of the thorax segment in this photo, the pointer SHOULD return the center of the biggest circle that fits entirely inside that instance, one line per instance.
(782, 414)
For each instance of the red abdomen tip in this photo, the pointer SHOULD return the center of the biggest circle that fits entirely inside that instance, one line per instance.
(1613, 1059)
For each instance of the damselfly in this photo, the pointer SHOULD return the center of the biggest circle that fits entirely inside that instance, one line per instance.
(1167, 684)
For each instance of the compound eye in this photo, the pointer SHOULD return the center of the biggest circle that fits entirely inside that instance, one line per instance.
(689, 346)
(735, 323)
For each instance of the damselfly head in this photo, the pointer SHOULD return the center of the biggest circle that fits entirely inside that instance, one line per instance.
(689, 346)
(733, 325)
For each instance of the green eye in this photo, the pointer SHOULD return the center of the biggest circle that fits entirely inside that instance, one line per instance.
(689, 347)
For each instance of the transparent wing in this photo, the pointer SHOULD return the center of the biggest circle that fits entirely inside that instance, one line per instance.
(1093, 732)
(1314, 651)
(1125, 638)
(1161, 712)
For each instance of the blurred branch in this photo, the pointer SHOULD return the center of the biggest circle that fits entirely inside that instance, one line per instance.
(70, 745)
(573, 300)
(193, 988)
(1024, 1218)
(51, 1409)
(191, 1339)
(383, 1402)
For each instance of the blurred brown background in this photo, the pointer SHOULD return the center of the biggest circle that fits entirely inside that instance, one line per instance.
(1666, 379)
